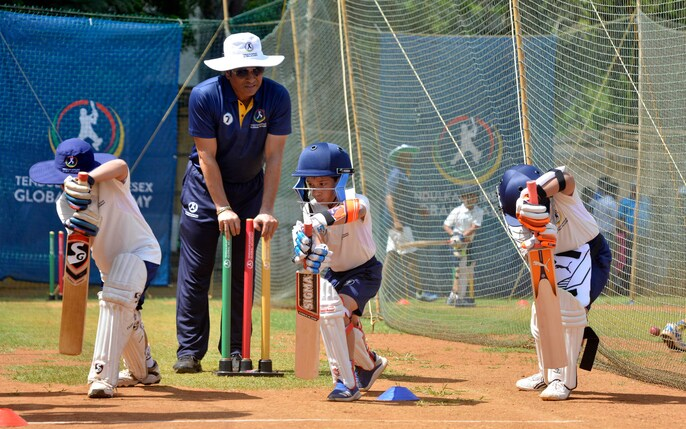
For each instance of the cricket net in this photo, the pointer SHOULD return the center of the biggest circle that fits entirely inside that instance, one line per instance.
(603, 93)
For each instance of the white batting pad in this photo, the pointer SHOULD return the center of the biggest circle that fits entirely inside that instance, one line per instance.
(332, 325)
(115, 324)
(134, 352)
(126, 280)
(362, 356)
(118, 300)
(573, 321)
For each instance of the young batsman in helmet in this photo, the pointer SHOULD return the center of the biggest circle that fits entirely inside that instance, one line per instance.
(461, 225)
(123, 247)
(342, 241)
(582, 259)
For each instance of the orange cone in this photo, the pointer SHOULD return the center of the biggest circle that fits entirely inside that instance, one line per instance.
(9, 418)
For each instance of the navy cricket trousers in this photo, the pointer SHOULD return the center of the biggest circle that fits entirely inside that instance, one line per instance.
(199, 234)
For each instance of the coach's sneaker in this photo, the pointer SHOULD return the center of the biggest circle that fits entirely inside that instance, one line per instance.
(365, 378)
(187, 365)
(126, 378)
(556, 391)
(100, 389)
(534, 382)
(236, 360)
(341, 393)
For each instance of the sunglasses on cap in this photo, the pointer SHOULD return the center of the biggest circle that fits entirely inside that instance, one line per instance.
(243, 73)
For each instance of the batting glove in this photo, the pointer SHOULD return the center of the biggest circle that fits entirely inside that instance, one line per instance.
(318, 259)
(319, 224)
(86, 222)
(548, 238)
(78, 195)
(523, 238)
(301, 243)
(534, 217)
(457, 238)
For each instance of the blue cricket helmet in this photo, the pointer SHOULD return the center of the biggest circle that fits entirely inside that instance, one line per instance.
(323, 159)
(510, 188)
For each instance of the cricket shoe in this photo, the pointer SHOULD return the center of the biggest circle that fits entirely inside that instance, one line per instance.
(187, 365)
(452, 298)
(127, 379)
(534, 382)
(341, 393)
(425, 296)
(101, 389)
(236, 360)
(556, 391)
(365, 378)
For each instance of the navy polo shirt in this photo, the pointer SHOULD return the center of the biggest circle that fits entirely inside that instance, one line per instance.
(213, 113)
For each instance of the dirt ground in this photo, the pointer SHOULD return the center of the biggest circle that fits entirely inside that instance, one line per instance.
(459, 385)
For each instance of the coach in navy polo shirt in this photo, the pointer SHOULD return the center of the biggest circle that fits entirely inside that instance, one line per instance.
(239, 122)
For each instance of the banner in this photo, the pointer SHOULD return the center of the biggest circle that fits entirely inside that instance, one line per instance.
(467, 100)
(106, 82)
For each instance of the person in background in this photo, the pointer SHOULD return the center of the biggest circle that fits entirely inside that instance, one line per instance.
(461, 225)
(403, 212)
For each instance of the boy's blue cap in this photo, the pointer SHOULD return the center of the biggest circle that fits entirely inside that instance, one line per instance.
(71, 156)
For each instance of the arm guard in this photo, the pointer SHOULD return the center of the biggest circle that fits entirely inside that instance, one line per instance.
(346, 212)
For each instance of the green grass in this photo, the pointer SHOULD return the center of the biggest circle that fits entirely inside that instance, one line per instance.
(33, 324)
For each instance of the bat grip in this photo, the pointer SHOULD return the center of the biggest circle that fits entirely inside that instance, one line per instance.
(83, 177)
(307, 229)
(533, 192)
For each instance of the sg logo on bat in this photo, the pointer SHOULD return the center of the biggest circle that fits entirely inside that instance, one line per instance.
(77, 258)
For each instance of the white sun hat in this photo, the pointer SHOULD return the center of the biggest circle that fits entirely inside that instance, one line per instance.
(243, 50)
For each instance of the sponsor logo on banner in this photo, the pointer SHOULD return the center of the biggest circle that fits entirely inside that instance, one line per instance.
(92, 122)
(480, 149)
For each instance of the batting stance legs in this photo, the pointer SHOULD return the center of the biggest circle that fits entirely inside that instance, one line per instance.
(575, 282)
(354, 367)
(120, 330)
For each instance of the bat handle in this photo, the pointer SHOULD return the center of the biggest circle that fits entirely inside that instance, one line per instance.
(307, 229)
(83, 177)
(533, 192)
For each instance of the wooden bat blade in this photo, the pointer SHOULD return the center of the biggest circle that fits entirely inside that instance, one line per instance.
(74, 294)
(307, 326)
(423, 243)
(548, 314)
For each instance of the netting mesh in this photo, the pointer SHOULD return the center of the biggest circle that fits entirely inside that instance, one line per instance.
(603, 94)
(445, 79)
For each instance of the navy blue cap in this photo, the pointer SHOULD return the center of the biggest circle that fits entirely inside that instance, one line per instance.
(71, 157)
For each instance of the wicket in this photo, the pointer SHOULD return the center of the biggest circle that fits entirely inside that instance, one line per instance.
(265, 363)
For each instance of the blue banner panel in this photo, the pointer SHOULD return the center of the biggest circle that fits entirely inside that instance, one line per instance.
(106, 82)
(449, 92)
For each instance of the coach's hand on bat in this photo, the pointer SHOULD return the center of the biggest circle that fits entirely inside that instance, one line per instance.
(266, 224)
(86, 222)
(78, 195)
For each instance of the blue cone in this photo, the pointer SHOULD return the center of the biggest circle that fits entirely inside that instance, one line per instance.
(397, 393)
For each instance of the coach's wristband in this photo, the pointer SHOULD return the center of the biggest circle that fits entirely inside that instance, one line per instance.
(221, 210)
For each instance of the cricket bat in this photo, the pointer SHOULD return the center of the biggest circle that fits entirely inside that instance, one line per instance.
(75, 289)
(307, 318)
(551, 333)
